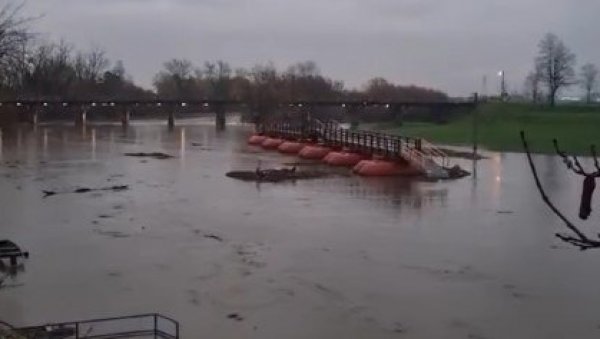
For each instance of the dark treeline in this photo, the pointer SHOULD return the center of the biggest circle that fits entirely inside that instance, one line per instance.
(264, 86)
(30, 68)
(57, 71)
(34, 69)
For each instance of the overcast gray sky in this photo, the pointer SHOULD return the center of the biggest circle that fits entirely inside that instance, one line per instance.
(444, 44)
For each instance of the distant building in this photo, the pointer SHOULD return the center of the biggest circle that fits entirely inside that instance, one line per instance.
(569, 99)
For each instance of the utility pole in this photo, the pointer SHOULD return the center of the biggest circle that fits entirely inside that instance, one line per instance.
(484, 92)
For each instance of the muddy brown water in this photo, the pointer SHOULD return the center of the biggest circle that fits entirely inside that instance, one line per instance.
(337, 257)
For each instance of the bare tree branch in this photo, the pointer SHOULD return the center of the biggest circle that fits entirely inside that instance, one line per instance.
(581, 241)
(572, 164)
(595, 156)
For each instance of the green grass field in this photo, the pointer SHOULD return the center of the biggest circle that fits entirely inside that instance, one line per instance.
(575, 127)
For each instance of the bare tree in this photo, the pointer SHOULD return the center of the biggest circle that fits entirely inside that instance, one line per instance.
(180, 68)
(218, 75)
(265, 92)
(589, 79)
(556, 63)
(89, 66)
(532, 84)
(51, 72)
(14, 32)
(14, 35)
(176, 80)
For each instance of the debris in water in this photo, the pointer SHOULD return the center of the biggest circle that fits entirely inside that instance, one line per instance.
(155, 155)
(116, 188)
(455, 172)
(235, 316)
(113, 234)
(201, 146)
(49, 193)
(215, 237)
(275, 175)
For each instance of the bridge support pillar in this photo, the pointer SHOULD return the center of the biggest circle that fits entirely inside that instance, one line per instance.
(399, 111)
(81, 118)
(220, 117)
(171, 119)
(125, 116)
(34, 118)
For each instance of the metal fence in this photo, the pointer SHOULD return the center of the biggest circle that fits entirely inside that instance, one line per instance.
(136, 326)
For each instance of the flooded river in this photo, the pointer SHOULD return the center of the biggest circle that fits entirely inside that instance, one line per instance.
(338, 257)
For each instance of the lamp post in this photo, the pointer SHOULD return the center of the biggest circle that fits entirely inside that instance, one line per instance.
(502, 76)
(475, 133)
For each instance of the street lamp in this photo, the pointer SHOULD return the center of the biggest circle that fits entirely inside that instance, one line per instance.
(502, 76)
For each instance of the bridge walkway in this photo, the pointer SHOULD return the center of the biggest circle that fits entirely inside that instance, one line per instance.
(423, 155)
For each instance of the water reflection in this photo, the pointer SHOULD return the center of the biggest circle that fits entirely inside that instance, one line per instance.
(10, 271)
(93, 142)
(394, 192)
(182, 144)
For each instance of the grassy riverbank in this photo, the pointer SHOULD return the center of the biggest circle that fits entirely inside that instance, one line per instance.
(576, 127)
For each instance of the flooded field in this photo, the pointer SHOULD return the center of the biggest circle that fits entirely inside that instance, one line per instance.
(335, 257)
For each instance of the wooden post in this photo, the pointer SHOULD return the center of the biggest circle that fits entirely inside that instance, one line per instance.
(171, 119)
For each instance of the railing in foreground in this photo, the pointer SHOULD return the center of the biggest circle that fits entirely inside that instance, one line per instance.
(136, 326)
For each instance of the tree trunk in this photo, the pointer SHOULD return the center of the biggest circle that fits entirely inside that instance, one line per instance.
(552, 97)
(220, 117)
(589, 96)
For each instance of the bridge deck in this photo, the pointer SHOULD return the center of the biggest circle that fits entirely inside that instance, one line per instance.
(104, 102)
